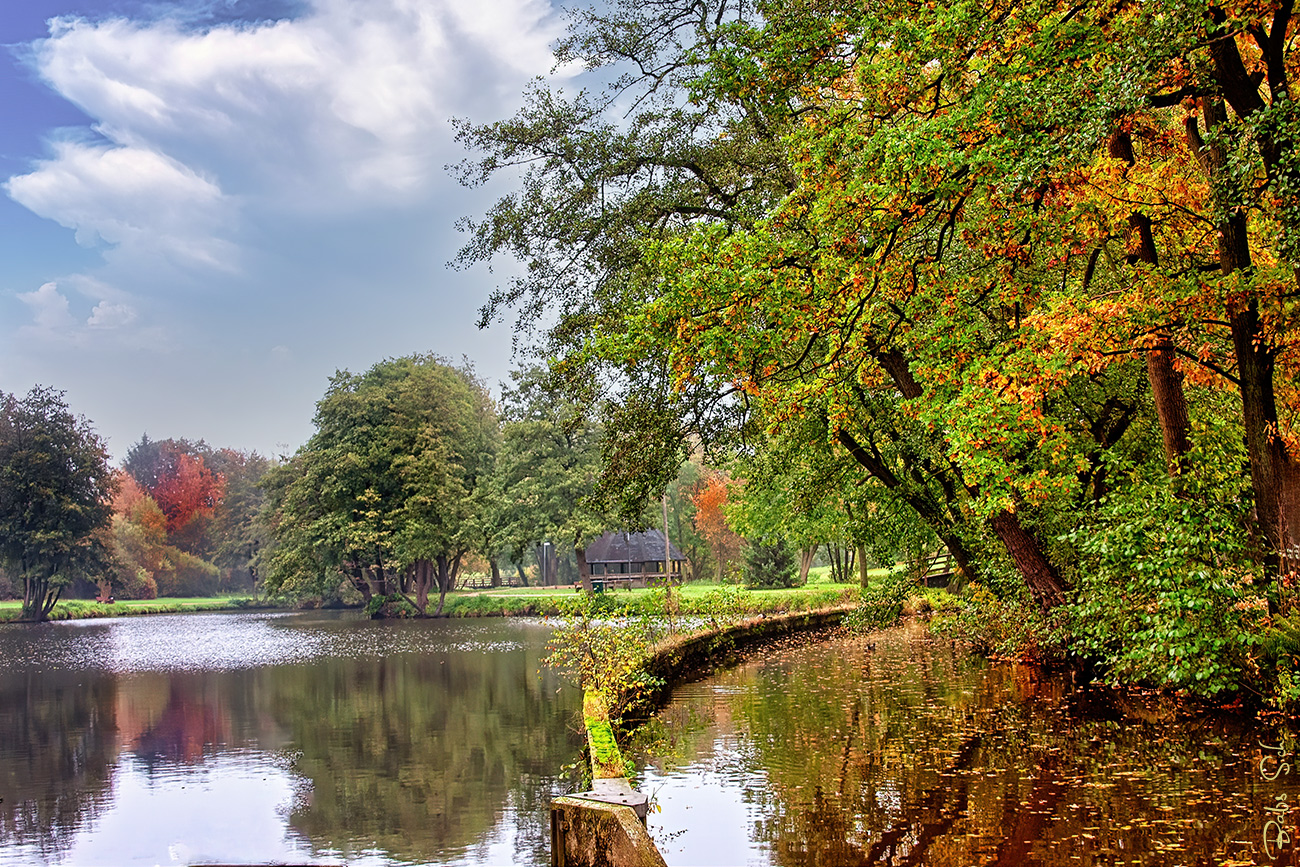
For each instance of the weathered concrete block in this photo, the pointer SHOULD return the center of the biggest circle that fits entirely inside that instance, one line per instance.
(587, 833)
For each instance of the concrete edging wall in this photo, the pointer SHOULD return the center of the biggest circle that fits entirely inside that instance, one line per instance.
(683, 659)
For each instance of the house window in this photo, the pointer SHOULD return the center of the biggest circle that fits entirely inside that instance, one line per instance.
(597, 568)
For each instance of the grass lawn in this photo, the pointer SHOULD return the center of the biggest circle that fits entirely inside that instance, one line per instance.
(70, 609)
(693, 597)
(818, 593)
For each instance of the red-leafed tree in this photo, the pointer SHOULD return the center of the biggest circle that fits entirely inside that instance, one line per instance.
(709, 497)
(175, 474)
(190, 492)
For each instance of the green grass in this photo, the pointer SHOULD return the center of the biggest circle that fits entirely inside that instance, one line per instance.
(819, 592)
(74, 609)
(544, 600)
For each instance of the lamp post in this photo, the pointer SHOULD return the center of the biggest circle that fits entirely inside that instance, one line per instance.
(546, 562)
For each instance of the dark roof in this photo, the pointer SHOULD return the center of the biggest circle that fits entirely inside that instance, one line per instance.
(618, 546)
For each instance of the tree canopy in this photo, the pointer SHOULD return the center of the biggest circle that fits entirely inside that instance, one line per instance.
(56, 493)
(1007, 257)
(385, 492)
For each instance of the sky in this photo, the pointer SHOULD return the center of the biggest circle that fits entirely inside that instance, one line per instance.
(207, 207)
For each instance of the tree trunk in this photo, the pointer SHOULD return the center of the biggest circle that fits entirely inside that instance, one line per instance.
(51, 599)
(423, 577)
(806, 556)
(378, 585)
(358, 579)
(584, 571)
(496, 572)
(1166, 381)
(1171, 403)
(932, 515)
(38, 598)
(1041, 576)
(1274, 473)
(523, 579)
(861, 554)
(446, 577)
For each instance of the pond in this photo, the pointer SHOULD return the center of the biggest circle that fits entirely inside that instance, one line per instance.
(246, 738)
(901, 748)
(323, 738)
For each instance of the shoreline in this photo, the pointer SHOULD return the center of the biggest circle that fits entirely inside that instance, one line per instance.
(465, 604)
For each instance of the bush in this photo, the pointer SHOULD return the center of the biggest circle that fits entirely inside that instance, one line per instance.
(881, 604)
(1168, 595)
(721, 606)
(187, 576)
(1009, 627)
(769, 562)
(393, 606)
(601, 650)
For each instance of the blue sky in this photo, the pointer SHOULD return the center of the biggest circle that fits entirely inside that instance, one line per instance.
(209, 206)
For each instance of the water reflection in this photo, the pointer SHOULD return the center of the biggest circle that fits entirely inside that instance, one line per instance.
(156, 741)
(914, 753)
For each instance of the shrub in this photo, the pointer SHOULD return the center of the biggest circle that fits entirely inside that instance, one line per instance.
(1168, 596)
(721, 606)
(602, 651)
(394, 606)
(881, 604)
(769, 562)
(1010, 627)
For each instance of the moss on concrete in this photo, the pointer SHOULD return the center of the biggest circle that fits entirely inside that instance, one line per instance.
(606, 760)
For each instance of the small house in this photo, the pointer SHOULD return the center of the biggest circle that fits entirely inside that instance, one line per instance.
(633, 559)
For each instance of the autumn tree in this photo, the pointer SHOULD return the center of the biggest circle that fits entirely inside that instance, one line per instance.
(175, 474)
(1006, 254)
(55, 497)
(710, 497)
(139, 542)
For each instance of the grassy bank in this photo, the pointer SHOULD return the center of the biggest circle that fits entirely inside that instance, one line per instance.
(78, 609)
(698, 598)
(694, 598)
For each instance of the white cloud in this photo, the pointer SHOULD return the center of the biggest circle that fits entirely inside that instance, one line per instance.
(49, 308)
(345, 106)
(110, 315)
(59, 318)
(277, 184)
(128, 196)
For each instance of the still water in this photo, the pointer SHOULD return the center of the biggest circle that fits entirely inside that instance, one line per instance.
(317, 738)
(245, 738)
(903, 749)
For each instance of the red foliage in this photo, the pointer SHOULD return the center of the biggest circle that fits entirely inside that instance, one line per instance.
(191, 490)
(129, 494)
(709, 497)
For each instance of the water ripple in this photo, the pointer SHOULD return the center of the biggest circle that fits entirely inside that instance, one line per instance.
(230, 641)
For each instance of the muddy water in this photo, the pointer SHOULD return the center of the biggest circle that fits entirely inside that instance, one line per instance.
(902, 749)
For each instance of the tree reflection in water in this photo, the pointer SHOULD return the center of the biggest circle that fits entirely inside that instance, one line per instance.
(58, 752)
(427, 742)
(916, 753)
